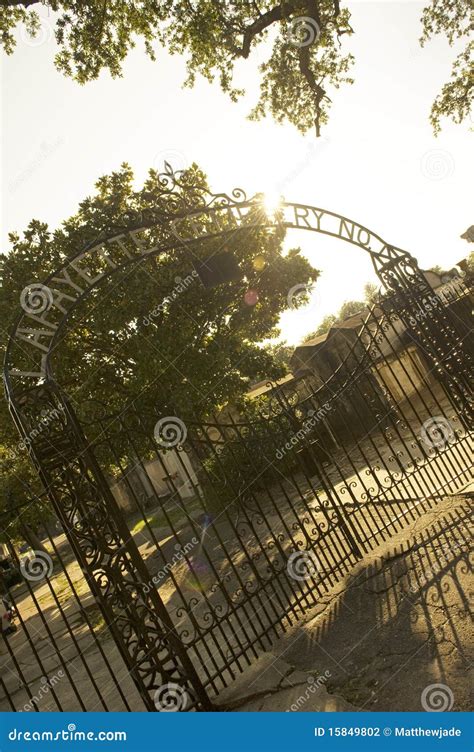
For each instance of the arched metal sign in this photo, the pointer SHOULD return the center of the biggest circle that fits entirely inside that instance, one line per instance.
(109, 558)
(48, 304)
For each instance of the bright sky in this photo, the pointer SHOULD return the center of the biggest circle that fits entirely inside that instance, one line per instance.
(377, 163)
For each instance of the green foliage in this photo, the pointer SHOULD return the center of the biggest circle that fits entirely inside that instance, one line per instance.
(305, 62)
(281, 353)
(296, 77)
(92, 35)
(455, 20)
(371, 293)
(21, 500)
(133, 339)
(10, 17)
(247, 460)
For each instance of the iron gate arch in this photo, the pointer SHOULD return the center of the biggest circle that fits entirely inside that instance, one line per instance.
(140, 622)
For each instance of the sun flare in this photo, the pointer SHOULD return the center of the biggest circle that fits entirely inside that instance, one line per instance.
(272, 201)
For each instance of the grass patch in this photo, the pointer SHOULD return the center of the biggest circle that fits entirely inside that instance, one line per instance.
(157, 518)
(63, 590)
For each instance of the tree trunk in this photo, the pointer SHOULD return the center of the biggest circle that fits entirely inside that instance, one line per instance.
(33, 540)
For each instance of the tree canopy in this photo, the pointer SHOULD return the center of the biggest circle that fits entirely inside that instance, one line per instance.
(453, 19)
(281, 352)
(152, 333)
(305, 38)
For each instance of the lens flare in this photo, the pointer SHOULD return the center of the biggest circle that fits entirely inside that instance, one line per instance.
(258, 263)
(251, 297)
(199, 577)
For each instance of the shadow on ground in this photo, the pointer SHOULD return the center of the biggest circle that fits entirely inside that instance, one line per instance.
(400, 623)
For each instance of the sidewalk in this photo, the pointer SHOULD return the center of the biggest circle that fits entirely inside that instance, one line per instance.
(398, 624)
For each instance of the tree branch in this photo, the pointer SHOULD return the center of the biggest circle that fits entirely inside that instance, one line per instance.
(263, 22)
(317, 89)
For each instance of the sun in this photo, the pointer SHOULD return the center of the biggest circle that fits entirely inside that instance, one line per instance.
(272, 201)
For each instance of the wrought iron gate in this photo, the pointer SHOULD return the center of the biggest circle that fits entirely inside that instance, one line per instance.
(238, 523)
(273, 503)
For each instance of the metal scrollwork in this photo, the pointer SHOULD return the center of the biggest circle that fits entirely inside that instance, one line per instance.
(315, 471)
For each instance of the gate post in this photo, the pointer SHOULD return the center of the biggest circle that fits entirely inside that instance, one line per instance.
(106, 552)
